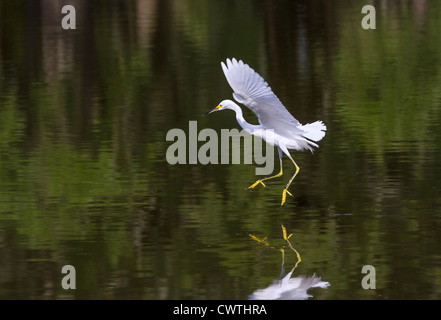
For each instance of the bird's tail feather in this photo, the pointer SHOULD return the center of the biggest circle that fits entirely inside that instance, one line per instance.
(314, 131)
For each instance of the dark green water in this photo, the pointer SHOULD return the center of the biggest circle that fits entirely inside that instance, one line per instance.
(84, 179)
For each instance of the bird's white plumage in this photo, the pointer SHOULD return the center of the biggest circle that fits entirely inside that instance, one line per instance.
(288, 288)
(314, 131)
(254, 92)
(276, 125)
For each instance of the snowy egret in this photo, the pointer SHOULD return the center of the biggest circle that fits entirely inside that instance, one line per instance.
(276, 125)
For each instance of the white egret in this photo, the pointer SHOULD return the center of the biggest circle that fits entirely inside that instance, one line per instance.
(276, 125)
(288, 288)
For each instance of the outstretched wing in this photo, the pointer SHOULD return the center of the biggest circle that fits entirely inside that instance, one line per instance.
(251, 90)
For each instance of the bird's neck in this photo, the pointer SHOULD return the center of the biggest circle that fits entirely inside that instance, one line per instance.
(241, 120)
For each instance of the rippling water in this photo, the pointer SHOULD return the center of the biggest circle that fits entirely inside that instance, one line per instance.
(84, 179)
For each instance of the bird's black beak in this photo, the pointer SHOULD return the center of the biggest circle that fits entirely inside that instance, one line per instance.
(212, 110)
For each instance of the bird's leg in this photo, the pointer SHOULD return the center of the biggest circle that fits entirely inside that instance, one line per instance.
(267, 178)
(285, 191)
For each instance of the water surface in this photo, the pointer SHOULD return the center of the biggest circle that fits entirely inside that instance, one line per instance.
(84, 179)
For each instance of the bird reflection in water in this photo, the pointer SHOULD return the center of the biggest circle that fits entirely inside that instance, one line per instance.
(287, 287)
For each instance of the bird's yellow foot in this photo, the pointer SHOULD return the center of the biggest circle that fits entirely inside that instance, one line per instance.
(285, 191)
(256, 183)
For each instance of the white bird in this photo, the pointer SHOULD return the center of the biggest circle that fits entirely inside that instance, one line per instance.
(290, 288)
(276, 125)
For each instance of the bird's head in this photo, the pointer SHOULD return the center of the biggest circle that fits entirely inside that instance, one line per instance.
(226, 104)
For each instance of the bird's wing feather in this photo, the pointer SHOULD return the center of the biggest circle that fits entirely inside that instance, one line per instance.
(252, 90)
